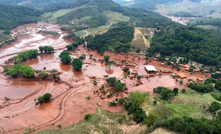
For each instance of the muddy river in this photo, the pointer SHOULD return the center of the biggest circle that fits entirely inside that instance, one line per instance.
(18, 111)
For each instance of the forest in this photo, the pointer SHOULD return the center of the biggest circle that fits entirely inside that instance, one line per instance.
(13, 16)
(195, 44)
(116, 39)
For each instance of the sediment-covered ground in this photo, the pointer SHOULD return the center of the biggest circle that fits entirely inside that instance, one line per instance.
(18, 111)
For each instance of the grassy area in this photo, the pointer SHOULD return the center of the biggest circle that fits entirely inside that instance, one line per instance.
(98, 30)
(48, 32)
(114, 17)
(101, 122)
(210, 27)
(52, 16)
(80, 33)
(4, 37)
(190, 104)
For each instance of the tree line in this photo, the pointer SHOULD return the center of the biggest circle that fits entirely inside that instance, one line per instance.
(195, 44)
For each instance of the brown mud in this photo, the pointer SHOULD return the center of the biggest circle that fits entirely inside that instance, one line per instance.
(18, 111)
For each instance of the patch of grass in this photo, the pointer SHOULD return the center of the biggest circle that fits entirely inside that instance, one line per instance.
(114, 17)
(52, 16)
(101, 122)
(80, 33)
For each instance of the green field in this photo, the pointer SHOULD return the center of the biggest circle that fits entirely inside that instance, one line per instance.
(114, 17)
(52, 16)
(80, 33)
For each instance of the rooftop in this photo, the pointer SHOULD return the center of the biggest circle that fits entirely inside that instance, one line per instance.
(150, 68)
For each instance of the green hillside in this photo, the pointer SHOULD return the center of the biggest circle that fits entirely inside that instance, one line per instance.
(85, 14)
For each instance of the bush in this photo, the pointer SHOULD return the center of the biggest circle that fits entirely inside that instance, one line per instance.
(43, 74)
(200, 87)
(89, 97)
(82, 57)
(70, 47)
(45, 98)
(218, 85)
(121, 101)
(111, 81)
(106, 58)
(77, 64)
(139, 115)
(139, 77)
(175, 91)
(166, 94)
(65, 57)
(88, 117)
(183, 91)
(214, 107)
(25, 71)
(126, 69)
(154, 102)
(23, 56)
(158, 89)
(217, 96)
(95, 83)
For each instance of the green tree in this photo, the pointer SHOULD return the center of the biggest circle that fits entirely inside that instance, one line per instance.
(41, 49)
(126, 69)
(175, 91)
(111, 81)
(45, 98)
(27, 71)
(218, 85)
(109, 63)
(106, 58)
(166, 94)
(77, 64)
(134, 100)
(183, 90)
(139, 77)
(65, 57)
(214, 107)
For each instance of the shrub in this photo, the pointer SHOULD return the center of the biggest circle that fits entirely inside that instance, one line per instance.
(181, 81)
(175, 91)
(43, 74)
(121, 101)
(45, 98)
(126, 69)
(106, 58)
(82, 57)
(183, 91)
(111, 81)
(70, 47)
(77, 64)
(65, 57)
(95, 83)
(138, 77)
(214, 106)
(89, 97)
(200, 87)
(139, 115)
(154, 102)
(88, 117)
(166, 94)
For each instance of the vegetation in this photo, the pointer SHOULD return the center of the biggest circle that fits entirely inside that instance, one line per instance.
(13, 16)
(126, 69)
(16, 70)
(46, 49)
(65, 57)
(45, 98)
(165, 93)
(200, 87)
(23, 56)
(112, 81)
(190, 42)
(214, 107)
(77, 64)
(48, 32)
(106, 58)
(43, 74)
(139, 77)
(115, 39)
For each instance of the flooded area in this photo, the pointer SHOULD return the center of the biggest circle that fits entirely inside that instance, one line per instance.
(18, 111)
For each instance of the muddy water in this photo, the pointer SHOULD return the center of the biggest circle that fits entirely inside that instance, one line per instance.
(70, 104)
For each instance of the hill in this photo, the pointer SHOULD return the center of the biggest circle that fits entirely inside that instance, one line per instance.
(203, 8)
(93, 13)
(195, 44)
(13, 16)
(33, 3)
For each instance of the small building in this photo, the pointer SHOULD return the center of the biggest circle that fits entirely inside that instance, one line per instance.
(181, 75)
(150, 68)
